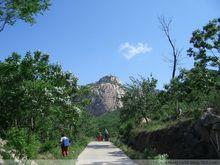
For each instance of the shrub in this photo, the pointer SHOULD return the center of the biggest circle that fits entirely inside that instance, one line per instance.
(23, 142)
(165, 112)
(150, 153)
(125, 130)
(47, 146)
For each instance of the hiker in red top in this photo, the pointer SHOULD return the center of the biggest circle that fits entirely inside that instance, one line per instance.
(99, 136)
(65, 143)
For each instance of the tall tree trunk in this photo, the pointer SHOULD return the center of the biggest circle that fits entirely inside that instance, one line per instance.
(174, 64)
(165, 27)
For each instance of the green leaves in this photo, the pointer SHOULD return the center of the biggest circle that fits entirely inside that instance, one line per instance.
(26, 10)
(22, 142)
(39, 96)
(188, 93)
(206, 43)
(140, 100)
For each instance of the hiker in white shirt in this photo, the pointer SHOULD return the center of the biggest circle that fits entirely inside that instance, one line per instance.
(64, 145)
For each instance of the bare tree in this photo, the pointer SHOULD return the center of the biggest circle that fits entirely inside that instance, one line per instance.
(165, 27)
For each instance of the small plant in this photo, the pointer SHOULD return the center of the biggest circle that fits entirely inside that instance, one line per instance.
(196, 113)
(150, 153)
(47, 146)
(161, 159)
(23, 142)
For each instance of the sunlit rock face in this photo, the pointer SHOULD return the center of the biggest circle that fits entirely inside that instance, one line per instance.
(106, 95)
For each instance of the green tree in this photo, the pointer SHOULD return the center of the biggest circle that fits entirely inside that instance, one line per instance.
(37, 95)
(206, 45)
(140, 100)
(206, 54)
(195, 87)
(190, 89)
(26, 10)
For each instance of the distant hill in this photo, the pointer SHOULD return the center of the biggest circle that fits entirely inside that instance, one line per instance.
(106, 94)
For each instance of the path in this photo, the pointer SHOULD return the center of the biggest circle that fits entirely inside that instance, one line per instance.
(103, 153)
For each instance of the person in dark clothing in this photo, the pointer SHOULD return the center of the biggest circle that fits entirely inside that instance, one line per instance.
(106, 135)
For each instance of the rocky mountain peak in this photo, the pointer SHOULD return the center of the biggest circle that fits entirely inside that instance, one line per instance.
(106, 94)
(110, 79)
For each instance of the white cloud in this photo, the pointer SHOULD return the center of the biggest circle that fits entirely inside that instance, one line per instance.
(129, 51)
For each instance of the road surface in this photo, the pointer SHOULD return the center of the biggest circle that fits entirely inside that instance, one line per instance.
(103, 153)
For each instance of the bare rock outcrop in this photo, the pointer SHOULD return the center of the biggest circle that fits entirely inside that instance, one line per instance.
(106, 94)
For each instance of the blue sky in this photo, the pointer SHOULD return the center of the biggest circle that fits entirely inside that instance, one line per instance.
(93, 38)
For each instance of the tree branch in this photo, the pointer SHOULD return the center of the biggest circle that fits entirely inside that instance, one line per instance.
(165, 27)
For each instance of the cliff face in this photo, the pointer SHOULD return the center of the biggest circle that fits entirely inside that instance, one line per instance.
(106, 94)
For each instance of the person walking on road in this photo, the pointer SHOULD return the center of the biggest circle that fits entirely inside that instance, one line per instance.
(65, 143)
(99, 136)
(106, 135)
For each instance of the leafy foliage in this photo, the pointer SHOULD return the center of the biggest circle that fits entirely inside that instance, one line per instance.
(139, 103)
(110, 121)
(186, 96)
(39, 100)
(39, 97)
(22, 142)
(140, 100)
(13, 10)
(206, 45)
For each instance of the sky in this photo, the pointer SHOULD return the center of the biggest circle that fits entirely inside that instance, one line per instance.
(94, 38)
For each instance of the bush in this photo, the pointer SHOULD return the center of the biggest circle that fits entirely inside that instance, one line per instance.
(165, 112)
(161, 157)
(23, 142)
(150, 153)
(47, 146)
(125, 130)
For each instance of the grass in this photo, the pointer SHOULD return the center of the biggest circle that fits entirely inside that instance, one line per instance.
(149, 127)
(133, 154)
(126, 149)
(74, 150)
(158, 125)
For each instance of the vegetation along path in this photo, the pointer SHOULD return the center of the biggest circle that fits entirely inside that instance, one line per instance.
(103, 153)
